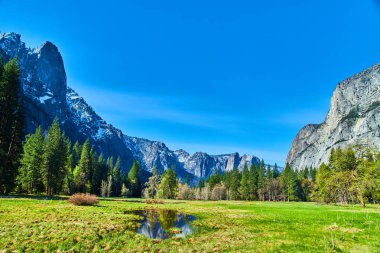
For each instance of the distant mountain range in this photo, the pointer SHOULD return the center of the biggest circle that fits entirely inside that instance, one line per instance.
(46, 95)
(354, 118)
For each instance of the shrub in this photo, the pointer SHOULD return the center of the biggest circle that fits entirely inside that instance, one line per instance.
(83, 199)
(154, 201)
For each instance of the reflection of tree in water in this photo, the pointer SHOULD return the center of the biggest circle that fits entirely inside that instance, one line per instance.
(152, 218)
(157, 223)
(167, 218)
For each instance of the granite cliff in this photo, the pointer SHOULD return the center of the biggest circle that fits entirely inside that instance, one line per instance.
(353, 118)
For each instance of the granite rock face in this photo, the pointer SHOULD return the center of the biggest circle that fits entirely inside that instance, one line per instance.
(46, 96)
(353, 118)
(203, 165)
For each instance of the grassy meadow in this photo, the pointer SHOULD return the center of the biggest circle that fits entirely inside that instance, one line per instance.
(40, 225)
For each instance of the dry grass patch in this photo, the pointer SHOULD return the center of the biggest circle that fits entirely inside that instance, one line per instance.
(83, 199)
(154, 201)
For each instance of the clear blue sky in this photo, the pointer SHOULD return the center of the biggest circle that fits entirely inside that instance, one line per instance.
(213, 76)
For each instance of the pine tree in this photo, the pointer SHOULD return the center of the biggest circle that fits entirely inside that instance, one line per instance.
(269, 173)
(201, 183)
(261, 177)
(102, 167)
(55, 159)
(110, 164)
(235, 184)
(30, 176)
(116, 172)
(244, 183)
(276, 172)
(11, 124)
(313, 174)
(134, 180)
(169, 185)
(213, 180)
(289, 182)
(83, 170)
(96, 175)
(304, 174)
(252, 181)
(76, 153)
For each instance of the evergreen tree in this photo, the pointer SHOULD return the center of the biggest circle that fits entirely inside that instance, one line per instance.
(102, 167)
(313, 174)
(82, 173)
(30, 177)
(117, 178)
(201, 183)
(261, 179)
(110, 164)
(76, 154)
(96, 175)
(235, 185)
(227, 183)
(269, 173)
(289, 182)
(213, 180)
(244, 183)
(55, 159)
(169, 185)
(261, 175)
(253, 175)
(276, 172)
(11, 124)
(134, 180)
(306, 173)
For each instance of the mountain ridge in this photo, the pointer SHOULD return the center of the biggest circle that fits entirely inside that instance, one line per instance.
(47, 95)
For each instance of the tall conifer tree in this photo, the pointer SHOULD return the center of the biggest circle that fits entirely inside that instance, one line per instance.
(244, 183)
(55, 159)
(11, 124)
(30, 177)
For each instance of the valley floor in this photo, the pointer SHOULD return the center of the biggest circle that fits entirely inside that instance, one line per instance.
(39, 225)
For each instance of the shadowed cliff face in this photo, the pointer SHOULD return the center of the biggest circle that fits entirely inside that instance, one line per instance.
(354, 118)
(46, 96)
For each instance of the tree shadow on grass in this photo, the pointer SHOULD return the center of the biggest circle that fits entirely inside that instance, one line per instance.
(37, 197)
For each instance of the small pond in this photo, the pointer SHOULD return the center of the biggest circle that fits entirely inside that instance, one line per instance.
(164, 223)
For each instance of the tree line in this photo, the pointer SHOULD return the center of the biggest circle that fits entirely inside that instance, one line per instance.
(50, 164)
(258, 182)
(351, 176)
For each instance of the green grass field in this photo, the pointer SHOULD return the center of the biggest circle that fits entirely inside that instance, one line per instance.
(33, 225)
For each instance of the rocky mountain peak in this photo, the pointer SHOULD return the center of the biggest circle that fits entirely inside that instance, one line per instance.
(10, 44)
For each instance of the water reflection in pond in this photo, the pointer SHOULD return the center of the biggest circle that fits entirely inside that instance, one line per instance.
(164, 223)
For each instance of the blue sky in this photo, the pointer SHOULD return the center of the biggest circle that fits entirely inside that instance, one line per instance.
(213, 76)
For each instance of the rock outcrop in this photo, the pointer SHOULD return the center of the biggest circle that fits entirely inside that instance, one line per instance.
(353, 118)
